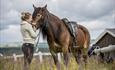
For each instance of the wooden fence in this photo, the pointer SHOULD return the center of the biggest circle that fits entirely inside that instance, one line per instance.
(39, 54)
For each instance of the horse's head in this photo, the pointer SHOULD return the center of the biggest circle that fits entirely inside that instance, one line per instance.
(39, 15)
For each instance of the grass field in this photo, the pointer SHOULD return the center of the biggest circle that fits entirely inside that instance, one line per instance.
(48, 64)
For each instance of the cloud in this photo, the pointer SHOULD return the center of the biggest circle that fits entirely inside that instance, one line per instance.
(96, 15)
(9, 15)
(11, 19)
(11, 34)
(100, 24)
(86, 9)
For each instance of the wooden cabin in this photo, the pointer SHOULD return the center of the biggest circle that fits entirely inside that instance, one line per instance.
(105, 39)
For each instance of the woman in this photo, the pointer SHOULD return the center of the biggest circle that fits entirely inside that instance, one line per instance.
(29, 37)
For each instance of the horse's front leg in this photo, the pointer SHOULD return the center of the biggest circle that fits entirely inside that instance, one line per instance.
(56, 61)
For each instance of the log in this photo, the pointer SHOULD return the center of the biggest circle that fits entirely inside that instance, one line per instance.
(110, 48)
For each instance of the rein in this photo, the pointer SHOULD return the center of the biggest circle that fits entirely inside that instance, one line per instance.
(38, 35)
(44, 26)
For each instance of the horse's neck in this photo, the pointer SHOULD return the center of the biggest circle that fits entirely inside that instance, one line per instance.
(46, 27)
(54, 27)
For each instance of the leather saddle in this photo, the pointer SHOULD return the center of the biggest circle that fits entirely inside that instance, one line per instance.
(71, 26)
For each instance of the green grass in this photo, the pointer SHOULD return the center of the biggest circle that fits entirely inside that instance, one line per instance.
(48, 64)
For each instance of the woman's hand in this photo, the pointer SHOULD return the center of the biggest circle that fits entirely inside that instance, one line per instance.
(34, 28)
(33, 25)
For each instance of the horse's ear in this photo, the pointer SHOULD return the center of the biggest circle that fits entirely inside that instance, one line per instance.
(34, 6)
(45, 6)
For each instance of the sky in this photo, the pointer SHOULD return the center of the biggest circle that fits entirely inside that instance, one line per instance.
(95, 15)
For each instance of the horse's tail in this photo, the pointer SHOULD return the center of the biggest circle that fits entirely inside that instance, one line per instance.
(87, 36)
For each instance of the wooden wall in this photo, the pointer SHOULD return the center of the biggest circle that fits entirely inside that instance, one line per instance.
(106, 40)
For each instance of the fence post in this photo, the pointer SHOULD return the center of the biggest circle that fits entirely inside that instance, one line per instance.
(15, 57)
(40, 57)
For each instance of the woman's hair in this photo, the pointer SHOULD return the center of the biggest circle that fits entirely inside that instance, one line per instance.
(25, 16)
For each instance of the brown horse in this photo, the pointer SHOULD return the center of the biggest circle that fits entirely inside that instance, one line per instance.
(58, 36)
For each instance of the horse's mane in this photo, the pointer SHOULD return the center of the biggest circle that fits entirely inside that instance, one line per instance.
(52, 23)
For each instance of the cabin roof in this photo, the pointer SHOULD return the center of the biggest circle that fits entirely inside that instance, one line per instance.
(109, 31)
(112, 31)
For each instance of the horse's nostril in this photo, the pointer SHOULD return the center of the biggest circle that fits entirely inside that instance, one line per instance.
(38, 15)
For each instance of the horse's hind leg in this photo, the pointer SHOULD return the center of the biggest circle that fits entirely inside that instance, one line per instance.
(66, 59)
(66, 56)
(84, 56)
(77, 55)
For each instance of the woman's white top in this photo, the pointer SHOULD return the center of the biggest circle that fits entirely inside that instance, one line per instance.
(28, 34)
